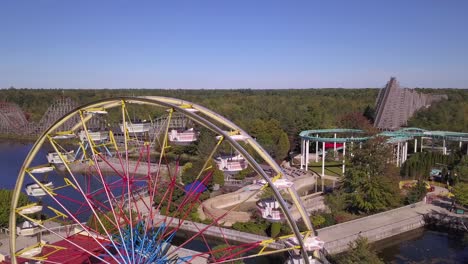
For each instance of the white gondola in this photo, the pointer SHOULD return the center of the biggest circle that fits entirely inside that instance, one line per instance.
(43, 169)
(35, 190)
(231, 163)
(31, 209)
(54, 157)
(28, 228)
(270, 209)
(234, 135)
(279, 184)
(95, 136)
(64, 136)
(183, 136)
(311, 243)
(138, 127)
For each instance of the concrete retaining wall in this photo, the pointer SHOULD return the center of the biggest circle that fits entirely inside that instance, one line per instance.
(380, 233)
(375, 234)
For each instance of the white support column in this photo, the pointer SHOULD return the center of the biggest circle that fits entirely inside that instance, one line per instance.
(402, 153)
(323, 164)
(334, 144)
(405, 157)
(307, 155)
(422, 140)
(360, 145)
(402, 156)
(415, 145)
(444, 150)
(352, 147)
(302, 153)
(398, 155)
(344, 156)
(460, 143)
(305, 151)
(316, 149)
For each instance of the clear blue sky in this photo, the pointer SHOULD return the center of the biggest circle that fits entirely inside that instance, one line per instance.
(233, 44)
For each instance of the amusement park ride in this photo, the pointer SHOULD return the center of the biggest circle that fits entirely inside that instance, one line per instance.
(116, 195)
(340, 141)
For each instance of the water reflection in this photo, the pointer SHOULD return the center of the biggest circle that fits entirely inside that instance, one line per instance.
(425, 246)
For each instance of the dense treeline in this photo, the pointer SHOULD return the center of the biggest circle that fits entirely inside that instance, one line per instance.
(451, 114)
(291, 110)
(419, 165)
(5, 199)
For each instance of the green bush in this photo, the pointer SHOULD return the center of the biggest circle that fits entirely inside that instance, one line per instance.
(5, 200)
(359, 252)
(416, 193)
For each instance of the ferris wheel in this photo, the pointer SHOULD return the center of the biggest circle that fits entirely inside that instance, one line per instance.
(139, 180)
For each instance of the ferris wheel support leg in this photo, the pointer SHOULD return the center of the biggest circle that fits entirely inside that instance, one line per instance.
(307, 146)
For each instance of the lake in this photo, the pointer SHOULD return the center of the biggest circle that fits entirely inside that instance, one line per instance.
(425, 246)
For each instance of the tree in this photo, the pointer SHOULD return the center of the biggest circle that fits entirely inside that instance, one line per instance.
(218, 176)
(318, 220)
(356, 120)
(416, 193)
(190, 171)
(258, 227)
(461, 194)
(461, 169)
(5, 201)
(359, 252)
(271, 136)
(282, 146)
(336, 201)
(370, 183)
(369, 113)
(241, 175)
(224, 250)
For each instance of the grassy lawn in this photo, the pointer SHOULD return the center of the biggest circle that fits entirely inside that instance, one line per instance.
(331, 168)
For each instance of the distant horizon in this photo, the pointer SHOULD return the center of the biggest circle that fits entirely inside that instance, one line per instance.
(214, 89)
